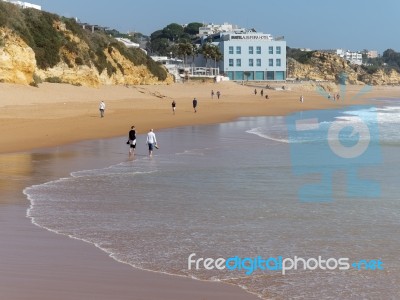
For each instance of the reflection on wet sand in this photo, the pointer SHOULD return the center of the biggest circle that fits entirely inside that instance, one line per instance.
(19, 170)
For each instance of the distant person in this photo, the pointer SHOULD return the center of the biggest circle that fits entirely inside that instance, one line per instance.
(329, 95)
(151, 141)
(132, 141)
(212, 94)
(102, 108)
(255, 91)
(173, 104)
(266, 97)
(218, 94)
(338, 97)
(195, 104)
(262, 92)
(334, 97)
(301, 99)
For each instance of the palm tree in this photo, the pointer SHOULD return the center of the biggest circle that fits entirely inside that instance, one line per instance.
(184, 49)
(210, 51)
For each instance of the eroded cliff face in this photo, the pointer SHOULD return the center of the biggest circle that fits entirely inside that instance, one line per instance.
(381, 77)
(17, 60)
(18, 65)
(329, 67)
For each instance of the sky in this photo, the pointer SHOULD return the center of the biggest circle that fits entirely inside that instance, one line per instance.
(315, 24)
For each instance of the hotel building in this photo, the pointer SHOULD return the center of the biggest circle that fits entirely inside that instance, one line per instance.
(250, 55)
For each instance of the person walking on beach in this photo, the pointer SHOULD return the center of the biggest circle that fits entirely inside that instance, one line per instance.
(151, 141)
(301, 99)
(173, 104)
(195, 104)
(132, 141)
(262, 92)
(218, 94)
(212, 94)
(255, 91)
(102, 107)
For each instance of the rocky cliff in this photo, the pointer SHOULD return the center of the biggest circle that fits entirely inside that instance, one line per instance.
(18, 65)
(329, 67)
(37, 46)
(17, 60)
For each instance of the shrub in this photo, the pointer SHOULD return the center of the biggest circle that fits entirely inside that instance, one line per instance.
(370, 69)
(37, 79)
(55, 79)
(79, 61)
(47, 41)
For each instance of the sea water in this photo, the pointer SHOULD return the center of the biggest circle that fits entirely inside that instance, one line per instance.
(230, 190)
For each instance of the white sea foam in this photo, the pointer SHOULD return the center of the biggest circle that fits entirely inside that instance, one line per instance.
(260, 132)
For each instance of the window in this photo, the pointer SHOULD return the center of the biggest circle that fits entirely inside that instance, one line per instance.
(278, 50)
(258, 50)
(238, 50)
(251, 49)
(251, 62)
(231, 62)
(271, 50)
(238, 62)
(230, 50)
(258, 62)
(278, 62)
(271, 62)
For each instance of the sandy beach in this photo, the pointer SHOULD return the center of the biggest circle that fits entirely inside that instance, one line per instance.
(39, 126)
(57, 114)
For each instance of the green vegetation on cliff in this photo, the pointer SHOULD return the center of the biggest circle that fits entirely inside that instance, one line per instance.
(40, 31)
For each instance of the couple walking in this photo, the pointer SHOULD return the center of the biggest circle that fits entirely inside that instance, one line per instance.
(151, 141)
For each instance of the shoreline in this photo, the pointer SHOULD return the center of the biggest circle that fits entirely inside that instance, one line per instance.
(50, 122)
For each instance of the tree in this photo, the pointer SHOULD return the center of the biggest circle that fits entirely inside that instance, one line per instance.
(160, 46)
(193, 28)
(173, 32)
(184, 50)
(210, 51)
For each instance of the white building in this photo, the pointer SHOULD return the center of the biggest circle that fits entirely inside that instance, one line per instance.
(24, 4)
(215, 28)
(128, 43)
(251, 55)
(173, 65)
(372, 54)
(352, 57)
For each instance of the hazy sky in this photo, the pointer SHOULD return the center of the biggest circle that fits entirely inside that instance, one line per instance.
(315, 24)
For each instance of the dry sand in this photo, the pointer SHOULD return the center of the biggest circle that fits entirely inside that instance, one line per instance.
(56, 114)
(37, 264)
